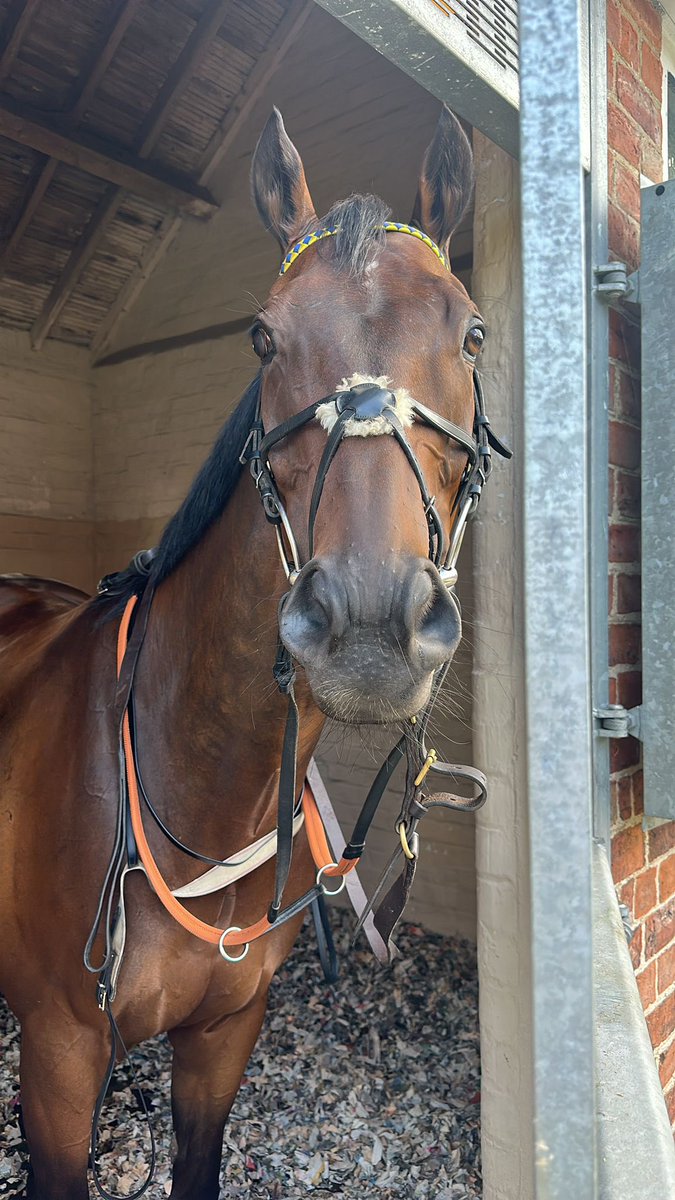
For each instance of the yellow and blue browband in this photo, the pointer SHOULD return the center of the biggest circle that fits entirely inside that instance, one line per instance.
(389, 227)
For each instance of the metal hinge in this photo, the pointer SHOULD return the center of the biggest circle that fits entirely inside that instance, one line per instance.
(615, 721)
(613, 283)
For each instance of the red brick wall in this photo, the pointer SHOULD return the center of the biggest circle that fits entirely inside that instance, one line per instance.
(643, 862)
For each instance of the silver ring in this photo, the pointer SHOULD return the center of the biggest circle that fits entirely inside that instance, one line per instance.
(221, 946)
(327, 891)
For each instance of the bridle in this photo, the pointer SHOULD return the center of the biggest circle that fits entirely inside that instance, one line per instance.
(368, 402)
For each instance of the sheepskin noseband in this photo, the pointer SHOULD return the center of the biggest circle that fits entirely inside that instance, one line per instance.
(371, 420)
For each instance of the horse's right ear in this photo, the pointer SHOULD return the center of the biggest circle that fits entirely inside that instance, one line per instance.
(279, 186)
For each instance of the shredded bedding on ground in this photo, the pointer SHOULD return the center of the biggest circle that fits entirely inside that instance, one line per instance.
(367, 1089)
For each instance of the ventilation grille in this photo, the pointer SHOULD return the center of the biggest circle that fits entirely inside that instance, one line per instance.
(493, 24)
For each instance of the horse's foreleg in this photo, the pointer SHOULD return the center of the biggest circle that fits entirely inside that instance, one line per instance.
(208, 1064)
(62, 1065)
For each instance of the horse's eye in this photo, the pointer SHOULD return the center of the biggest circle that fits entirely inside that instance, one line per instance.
(473, 342)
(262, 343)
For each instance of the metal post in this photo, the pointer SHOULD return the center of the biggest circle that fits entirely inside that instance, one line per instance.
(598, 394)
(556, 598)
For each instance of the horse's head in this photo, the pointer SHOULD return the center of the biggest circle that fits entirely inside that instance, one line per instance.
(369, 615)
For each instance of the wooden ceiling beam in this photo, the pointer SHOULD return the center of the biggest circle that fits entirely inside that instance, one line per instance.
(192, 55)
(13, 44)
(240, 108)
(126, 11)
(181, 74)
(110, 163)
(40, 180)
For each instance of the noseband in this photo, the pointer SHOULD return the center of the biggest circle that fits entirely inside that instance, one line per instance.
(368, 402)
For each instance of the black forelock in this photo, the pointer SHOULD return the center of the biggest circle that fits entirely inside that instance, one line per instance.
(359, 221)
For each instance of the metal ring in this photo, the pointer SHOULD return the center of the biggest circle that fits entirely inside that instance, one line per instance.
(327, 891)
(233, 958)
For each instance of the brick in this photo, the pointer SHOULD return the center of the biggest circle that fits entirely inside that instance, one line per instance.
(646, 981)
(646, 18)
(665, 967)
(624, 644)
(624, 236)
(624, 340)
(628, 42)
(667, 1064)
(661, 1021)
(629, 689)
(626, 396)
(652, 71)
(651, 161)
(659, 929)
(626, 894)
(661, 840)
(624, 445)
(624, 799)
(645, 892)
(623, 134)
(611, 598)
(626, 189)
(627, 495)
(638, 780)
(628, 853)
(624, 753)
(628, 593)
(638, 102)
(667, 878)
(635, 947)
(624, 543)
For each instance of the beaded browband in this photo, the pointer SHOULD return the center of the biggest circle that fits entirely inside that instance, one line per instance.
(388, 226)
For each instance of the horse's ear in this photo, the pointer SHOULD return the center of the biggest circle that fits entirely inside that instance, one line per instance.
(279, 186)
(445, 182)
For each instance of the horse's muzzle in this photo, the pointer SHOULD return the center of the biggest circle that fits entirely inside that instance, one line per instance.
(370, 635)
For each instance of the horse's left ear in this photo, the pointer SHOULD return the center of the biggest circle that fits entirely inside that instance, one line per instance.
(279, 186)
(445, 182)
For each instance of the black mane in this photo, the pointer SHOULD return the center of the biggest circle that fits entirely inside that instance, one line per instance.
(359, 221)
(211, 488)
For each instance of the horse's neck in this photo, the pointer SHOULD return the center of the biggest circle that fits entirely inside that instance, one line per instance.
(209, 715)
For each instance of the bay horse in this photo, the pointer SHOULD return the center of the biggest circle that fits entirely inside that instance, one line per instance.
(368, 620)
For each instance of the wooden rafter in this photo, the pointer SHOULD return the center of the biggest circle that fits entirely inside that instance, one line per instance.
(256, 83)
(13, 45)
(126, 171)
(192, 55)
(41, 179)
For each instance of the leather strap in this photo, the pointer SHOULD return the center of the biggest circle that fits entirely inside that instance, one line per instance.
(354, 886)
